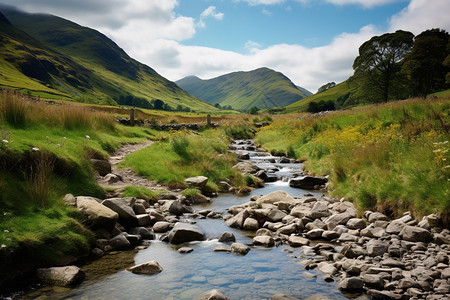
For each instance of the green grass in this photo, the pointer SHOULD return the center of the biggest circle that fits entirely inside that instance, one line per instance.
(141, 192)
(180, 155)
(392, 157)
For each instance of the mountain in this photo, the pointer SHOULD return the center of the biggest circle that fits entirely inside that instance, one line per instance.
(262, 88)
(56, 58)
(304, 91)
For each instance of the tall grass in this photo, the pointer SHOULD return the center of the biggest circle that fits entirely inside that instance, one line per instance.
(14, 109)
(38, 178)
(391, 157)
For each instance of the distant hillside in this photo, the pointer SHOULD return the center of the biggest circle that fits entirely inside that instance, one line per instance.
(341, 95)
(262, 88)
(54, 57)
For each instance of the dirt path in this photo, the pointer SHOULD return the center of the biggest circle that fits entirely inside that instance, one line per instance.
(120, 178)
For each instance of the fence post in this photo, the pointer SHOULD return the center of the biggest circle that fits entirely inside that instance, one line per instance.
(132, 117)
(208, 120)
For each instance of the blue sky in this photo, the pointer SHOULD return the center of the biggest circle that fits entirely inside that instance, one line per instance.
(307, 24)
(310, 41)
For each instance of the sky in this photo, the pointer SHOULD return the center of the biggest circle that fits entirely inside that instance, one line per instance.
(310, 41)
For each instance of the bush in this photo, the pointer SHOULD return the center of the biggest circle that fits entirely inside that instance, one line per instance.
(239, 131)
(14, 109)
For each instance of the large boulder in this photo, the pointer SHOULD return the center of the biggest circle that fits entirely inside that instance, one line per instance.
(246, 167)
(377, 248)
(98, 215)
(250, 224)
(162, 226)
(176, 207)
(395, 227)
(148, 268)
(227, 237)
(102, 166)
(416, 234)
(184, 232)
(63, 276)
(263, 240)
(197, 182)
(277, 196)
(124, 207)
(240, 248)
(319, 210)
(307, 182)
(351, 284)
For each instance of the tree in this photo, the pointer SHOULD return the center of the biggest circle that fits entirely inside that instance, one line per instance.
(158, 104)
(253, 110)
(424, 65)
(377, 65)
(217, 105)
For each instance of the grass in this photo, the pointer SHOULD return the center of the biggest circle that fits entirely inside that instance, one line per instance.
(141, 192)
(179, 155)
(42, 157)
(392, 157)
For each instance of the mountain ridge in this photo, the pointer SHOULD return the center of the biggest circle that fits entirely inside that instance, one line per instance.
(79, 63)
(262, 88)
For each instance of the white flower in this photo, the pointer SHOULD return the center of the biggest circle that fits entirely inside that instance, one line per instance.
(58, 145)
(35, 149)
(3, 246)
(64, 138)
(5, 141)
(88, 137)
(6, 231)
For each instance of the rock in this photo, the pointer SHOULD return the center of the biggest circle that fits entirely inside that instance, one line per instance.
(277, 196)
(440, 239)
(250, 224)
(288, 229)
(119, 242)
(264, 231)
(184, 250)
(373, 281)
(263, 240)
(319, 210)
(317, 223)
(330, 234)
(143, 220)
(148, 268)
(161, 226)
(143, 232)
(376, 248)
(407, 283)
(240, 248)
(307, 182)
(340, 219)
(123, 206)
(351, 284)
(139, 208)
(356, 223)
(63, 276)
(377, 216)
(315, 233)
(276, 215)
(416, 234)
(70, 200)
(327, 268)
(97, 214)
(111, 178)
(283, 297)
(395, 227)
(246, 167)
(211, 295)
(227, 237)
(176, 207)
(346, 237)
(297, 241)
(389, 262)
(184, 232)
(102, 166)
(300, 211)
(197, 182)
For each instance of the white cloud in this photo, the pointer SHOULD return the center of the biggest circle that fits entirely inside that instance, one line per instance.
(364, 3)
(211, 12)
(252, 46)
(421, 15)
(261, 2)
(266, 12)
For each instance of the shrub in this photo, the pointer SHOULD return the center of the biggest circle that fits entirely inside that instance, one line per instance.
(180, 145)
(239, 131)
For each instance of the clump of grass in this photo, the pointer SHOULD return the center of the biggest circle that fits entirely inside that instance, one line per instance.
(14, 109)
(190, 192)
(141, 192)
(239, 131)
(38, 179)
(180, 145)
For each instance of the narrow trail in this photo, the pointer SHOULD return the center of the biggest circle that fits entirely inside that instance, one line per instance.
(120, 178)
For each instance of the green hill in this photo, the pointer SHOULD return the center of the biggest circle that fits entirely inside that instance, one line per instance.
(340, 95)
(56, 58)
(262, 88)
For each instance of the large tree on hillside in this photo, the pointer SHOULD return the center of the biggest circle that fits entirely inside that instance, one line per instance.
(377, 66)
(424, 65)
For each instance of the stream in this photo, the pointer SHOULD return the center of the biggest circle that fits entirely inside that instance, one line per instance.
(261, 274)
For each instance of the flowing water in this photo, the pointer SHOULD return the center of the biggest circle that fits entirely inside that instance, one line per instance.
(262, 273)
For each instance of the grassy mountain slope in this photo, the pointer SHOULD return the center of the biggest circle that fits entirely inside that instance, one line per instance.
(340, 91)
(263, 88)
(78, 63)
